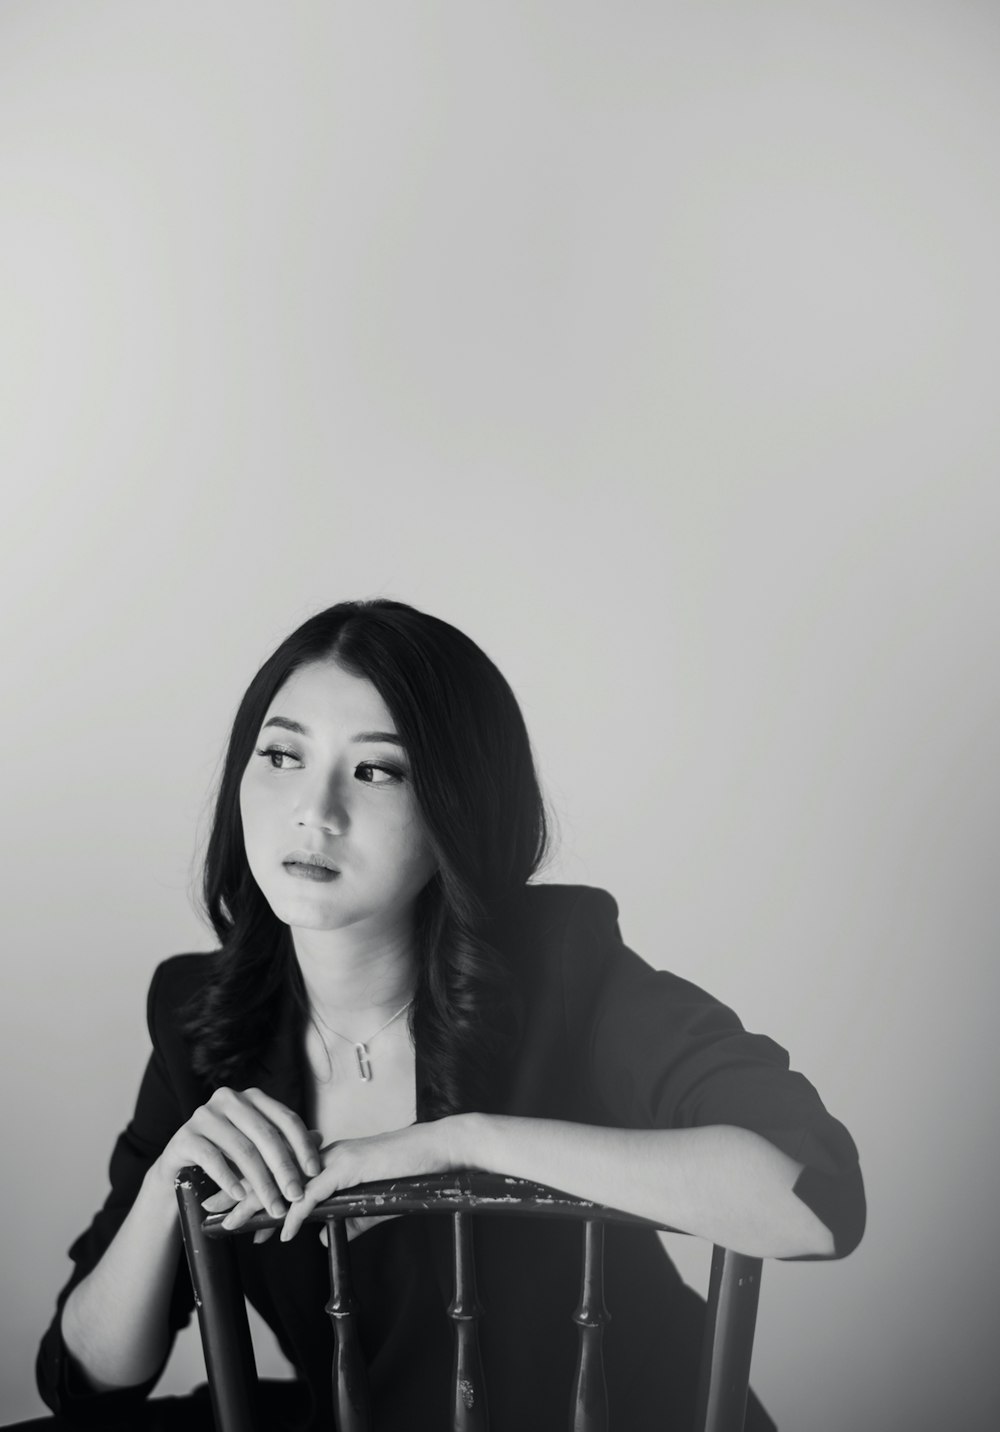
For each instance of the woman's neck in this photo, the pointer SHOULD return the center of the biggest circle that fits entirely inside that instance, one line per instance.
(354, 974)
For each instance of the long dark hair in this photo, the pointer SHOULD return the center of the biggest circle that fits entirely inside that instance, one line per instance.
(475, 783)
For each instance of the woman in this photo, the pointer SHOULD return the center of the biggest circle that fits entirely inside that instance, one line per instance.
(391, 997)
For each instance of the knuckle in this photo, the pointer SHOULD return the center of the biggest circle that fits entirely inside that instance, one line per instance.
(244, 1148)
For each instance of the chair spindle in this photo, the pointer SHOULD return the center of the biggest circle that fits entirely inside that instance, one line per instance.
(469, 1412)
(589, 1405)
(352, 1409)
(733, 1293)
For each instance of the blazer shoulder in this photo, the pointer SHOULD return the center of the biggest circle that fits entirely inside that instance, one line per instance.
(554, 904)
(548, 920)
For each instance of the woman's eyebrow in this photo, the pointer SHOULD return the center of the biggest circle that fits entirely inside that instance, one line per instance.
(361, 738)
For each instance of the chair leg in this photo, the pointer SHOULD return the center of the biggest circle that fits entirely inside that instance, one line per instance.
(734, 1289)
(222, 1314)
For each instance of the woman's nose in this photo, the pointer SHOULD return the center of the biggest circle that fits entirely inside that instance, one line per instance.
(323, 806)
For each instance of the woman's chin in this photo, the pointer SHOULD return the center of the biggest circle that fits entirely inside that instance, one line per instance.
(312, 914)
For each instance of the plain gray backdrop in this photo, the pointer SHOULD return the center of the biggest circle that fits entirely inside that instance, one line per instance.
(655, 345)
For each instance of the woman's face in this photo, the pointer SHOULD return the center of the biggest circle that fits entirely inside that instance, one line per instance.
(333, 834)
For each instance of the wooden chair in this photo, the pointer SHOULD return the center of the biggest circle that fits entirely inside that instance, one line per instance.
(725, 1362)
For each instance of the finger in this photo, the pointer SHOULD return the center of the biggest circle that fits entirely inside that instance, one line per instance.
(279, 1135)
(255, 1145)
(241, 1151)
(243, 1212)
(219, 1202)
(206, 1154)
(316, 1191)
(297, 1136)
(263, 1234)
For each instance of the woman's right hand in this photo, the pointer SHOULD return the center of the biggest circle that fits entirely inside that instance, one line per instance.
(249, 1143)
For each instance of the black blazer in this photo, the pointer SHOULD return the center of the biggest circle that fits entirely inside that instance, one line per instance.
(606, 1040)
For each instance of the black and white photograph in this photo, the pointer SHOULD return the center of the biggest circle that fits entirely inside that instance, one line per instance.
(500, 569)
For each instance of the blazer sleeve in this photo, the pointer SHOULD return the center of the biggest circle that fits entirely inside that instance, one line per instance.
(157, 1116)
(665, 1054)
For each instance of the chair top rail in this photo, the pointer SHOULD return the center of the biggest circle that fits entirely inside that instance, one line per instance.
(464, 1191)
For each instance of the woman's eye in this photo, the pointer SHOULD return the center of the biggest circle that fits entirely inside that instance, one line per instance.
(374, 774)
(277, 756)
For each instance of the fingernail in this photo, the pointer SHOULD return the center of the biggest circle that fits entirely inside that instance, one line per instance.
(237, 1191)
(293, 1190)
(277, 1208)
(230, 1220)
(313, 1166)
(285, 1234)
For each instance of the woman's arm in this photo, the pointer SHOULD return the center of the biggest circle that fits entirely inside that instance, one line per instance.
(719, 1182)
(722, 1183)
(115, 1321)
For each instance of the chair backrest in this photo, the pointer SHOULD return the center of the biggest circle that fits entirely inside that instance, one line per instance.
(725, 1359)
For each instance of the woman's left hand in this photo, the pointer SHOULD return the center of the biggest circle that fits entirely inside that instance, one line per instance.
(402, 1153)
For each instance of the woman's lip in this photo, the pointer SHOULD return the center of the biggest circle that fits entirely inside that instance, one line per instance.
(309, 857)
(302, 871)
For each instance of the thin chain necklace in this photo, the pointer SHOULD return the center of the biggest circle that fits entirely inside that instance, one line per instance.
(361, 1045)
